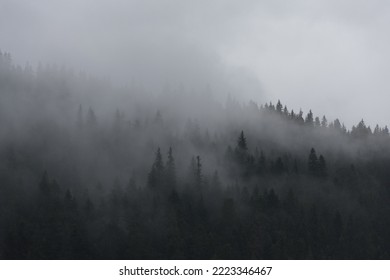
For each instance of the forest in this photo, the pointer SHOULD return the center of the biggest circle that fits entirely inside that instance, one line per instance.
(92, 170)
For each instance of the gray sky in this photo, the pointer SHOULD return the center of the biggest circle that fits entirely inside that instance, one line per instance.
(327, 55)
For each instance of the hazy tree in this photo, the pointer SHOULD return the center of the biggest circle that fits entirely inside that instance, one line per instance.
(317, 122)
(309, 119)
(91, 118)
(324, 122)
(156, 174)
(322, 169)
(132, 184)
(44, 185)
(278, 166)
(337, 124)
(216, 181)
(377, 130)
(118, 120)
(241, 143)
(198, 174)
(170, 170)
(361, 130)
(285, 111)
(158, 118)
(279, 107)
(299, 117)
(261, 163)
(313, 162)
(292, 115)
(385, 131)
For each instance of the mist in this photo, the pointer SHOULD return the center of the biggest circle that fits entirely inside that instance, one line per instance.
(180, 130)
(336, 53)
(151, 44)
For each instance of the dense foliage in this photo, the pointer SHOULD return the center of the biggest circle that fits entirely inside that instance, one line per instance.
(90, 171)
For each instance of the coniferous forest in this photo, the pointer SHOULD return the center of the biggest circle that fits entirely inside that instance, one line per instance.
(90, 170)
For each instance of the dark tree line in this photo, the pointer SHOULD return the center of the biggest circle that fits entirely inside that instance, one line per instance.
(197, 217)
(134, 179)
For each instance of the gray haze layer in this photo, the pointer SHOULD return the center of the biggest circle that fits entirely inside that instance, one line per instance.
(328, 56)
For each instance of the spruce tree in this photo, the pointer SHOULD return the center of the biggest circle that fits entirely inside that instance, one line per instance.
(309, 119)
(317, 122)
(279, 107)
(313, 162)
(324, 122)
(155, 176)
(170, 170)
(198, 174)
(241, 144)
(285, 111)
(322, 170)
(337, 124)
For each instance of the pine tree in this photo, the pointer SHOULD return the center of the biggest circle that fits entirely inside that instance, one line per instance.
(279, 107)
(313, 162)
(132, 184)
(317, 122)
(322, 170)
(198, 174)
(118, 121)
(241, 150)
(324, 122)
(309, 119)
(158, 118)
(170, 170)
(195, 172)
(292, 115)
(278, 167)
(385, 131)
(155, 177)
(377, 130)
(285, 111)
(299, 117)
(261, 164)
(337, 124)
(241, 144)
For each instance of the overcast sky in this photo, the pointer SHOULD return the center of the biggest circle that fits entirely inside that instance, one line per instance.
(330, 56)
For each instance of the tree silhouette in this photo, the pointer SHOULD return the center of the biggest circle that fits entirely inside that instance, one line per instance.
(324, 122)
(313, 162)
(322, 169)
(156, 175)
(170, 170)
(309, 119)
(241, 143)
(279, 107)
(198, 172)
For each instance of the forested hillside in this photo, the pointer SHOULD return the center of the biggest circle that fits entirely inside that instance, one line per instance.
(90, 170)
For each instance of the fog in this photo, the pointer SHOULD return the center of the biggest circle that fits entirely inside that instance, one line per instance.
(327, 56)
(183, 130)
(152, 44)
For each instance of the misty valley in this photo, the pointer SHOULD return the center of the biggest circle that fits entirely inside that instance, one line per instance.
(93, 170)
